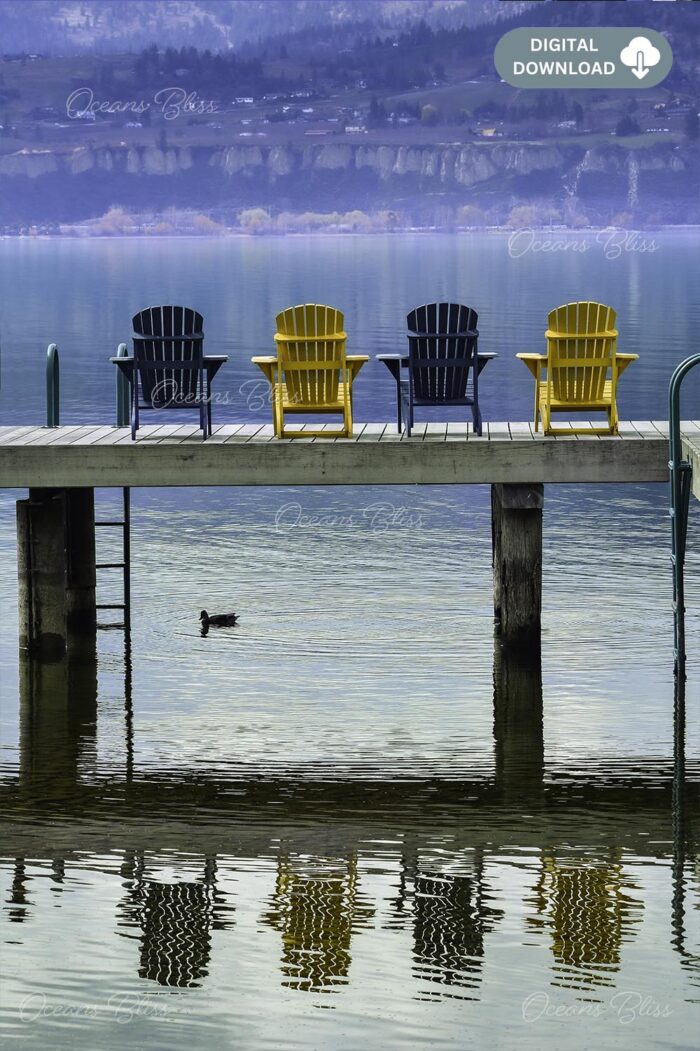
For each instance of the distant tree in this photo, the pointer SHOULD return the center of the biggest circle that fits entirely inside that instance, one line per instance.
(692, 125)
(162, 139)
(377, 113)
(577, 113)
(430, 115)
(627, 126)
(255, 220)
(470, 215)
(523, 217)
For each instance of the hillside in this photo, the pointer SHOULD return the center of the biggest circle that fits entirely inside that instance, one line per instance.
(106, 26)
(413, 119)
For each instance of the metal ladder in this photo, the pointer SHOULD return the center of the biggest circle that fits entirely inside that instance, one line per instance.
(53, 413)
(122, 406)
(125, 565)
(680, 479)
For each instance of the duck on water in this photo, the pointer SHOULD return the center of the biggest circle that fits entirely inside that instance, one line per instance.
(217, 620)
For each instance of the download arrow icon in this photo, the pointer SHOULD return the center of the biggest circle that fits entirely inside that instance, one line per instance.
(640, 55)
(640, 70)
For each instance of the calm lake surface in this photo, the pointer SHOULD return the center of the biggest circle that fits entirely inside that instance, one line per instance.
(348, 823)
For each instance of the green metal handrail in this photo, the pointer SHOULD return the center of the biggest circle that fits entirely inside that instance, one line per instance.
(122, 390)
(53, 387)
(680, 478)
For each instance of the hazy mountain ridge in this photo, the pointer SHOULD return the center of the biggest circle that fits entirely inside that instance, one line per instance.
(103, 26)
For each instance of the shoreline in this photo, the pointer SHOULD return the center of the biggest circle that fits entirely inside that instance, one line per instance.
(402, 231)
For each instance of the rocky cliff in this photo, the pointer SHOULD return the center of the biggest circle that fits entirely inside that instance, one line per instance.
(51, 185)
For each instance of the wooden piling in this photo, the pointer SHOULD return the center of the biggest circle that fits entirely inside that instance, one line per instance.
(56, 569)
(516, 527)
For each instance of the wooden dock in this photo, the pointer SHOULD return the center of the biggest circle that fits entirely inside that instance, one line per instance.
(62, 466)
(248, 454)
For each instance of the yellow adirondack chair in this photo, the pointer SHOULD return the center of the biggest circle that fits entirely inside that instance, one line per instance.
(581, 367)
(311, 372)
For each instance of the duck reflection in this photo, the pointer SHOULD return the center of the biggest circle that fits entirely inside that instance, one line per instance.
(316, 906)
(588, 912)
(176, 921)
(17, 902)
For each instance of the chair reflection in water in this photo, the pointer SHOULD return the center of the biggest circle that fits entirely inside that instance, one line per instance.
(588, 914)
(316, 907)
(176, 921)
(449, 914)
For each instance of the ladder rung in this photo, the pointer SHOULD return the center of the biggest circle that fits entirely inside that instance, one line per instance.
(108, 523)
(113, 605)
(110, 565)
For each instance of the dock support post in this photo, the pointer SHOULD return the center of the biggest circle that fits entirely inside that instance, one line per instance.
(516, 527)
(56, 566)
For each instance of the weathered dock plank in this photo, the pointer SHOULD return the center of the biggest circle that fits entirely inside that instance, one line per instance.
(246, 454)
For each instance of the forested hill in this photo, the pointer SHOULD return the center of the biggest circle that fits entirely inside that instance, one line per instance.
(63, 27)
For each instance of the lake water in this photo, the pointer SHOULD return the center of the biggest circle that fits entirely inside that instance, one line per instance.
(349, 822)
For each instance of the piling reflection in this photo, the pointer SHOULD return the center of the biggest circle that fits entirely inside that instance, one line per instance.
(518, 721)
(317, 905)
(58, 721)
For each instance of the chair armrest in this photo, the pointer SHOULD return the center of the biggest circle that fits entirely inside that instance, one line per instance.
(355, 362)
(125, 365)
(212, 363)
(534, 362)
(267, 363)
(623, 360)
(482, 360)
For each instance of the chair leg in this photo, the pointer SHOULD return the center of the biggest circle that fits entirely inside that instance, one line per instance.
(476, 416)
(134, 407)
(405, 410)
(277, 415)
(347, 416)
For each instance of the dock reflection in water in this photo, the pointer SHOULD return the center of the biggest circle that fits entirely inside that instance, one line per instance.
(433, 890)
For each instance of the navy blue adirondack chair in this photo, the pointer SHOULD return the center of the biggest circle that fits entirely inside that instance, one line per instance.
(168, 369)
(442, 359)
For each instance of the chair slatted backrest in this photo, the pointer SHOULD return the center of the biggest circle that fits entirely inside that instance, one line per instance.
(311, 352)
(581, 347)
(442, 347)
(177, 338)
